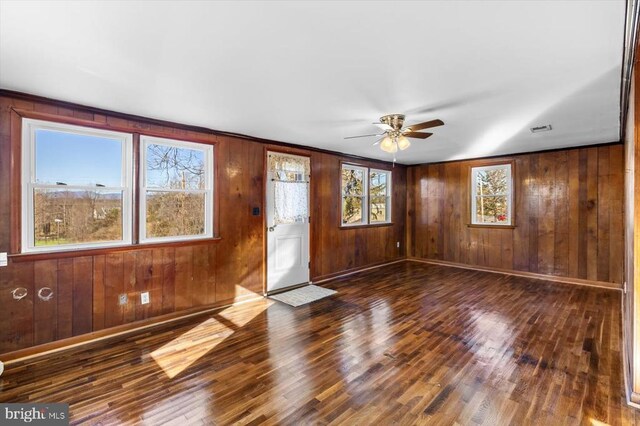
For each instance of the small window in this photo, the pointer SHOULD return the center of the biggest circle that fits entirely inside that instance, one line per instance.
(354, 195)
(379, 196)
(177, 190)
(76, 187)
(491, 195)
(366, 196)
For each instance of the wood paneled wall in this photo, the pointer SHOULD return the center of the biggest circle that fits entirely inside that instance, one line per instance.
(568, 215)
(178, 277)
(345, 249)
(632, 239)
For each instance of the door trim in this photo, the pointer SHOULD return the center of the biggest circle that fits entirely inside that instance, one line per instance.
(265, 156)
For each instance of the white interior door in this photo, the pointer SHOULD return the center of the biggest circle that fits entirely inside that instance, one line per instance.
(287, 215)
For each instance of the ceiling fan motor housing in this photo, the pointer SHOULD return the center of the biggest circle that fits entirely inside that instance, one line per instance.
(394, 120)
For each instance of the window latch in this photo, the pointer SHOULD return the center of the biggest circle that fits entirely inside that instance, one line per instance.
(61, 183)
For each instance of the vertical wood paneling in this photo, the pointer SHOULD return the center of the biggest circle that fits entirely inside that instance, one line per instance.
(98, 292)
(82, 308)
(143, 282)
(87, 289)
(568, 215)
(561, 215)
(17, 329)
(184, 277)
(546, 222)
(129, 282)
(338, 249)
(574, 213)
(64, 298)
(604, 209)
(45, 312)
(113, 288)
(168, 280)
(592, 214)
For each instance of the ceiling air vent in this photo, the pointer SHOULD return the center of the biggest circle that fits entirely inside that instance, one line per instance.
(541, 128)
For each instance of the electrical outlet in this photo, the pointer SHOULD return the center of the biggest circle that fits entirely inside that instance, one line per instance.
(144, 297)
(123, 299)
(3, 259)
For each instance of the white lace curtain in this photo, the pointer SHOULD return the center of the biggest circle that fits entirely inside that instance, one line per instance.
(291, 185)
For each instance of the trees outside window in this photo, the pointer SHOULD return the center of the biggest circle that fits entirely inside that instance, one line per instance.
(366, 195)
(491, 189)
(76, 187)
(177, 193)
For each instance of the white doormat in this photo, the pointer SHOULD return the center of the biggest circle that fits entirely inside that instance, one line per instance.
(303, 295)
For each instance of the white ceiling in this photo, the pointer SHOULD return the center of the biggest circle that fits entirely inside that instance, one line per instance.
(311, 73)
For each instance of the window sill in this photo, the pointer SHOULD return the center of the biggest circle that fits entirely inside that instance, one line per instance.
(367, 225)
(24, 257)
(477, 225)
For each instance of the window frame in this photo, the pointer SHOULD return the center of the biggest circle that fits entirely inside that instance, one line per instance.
(510, 194)
(364, 196)
(209, 177)
(366, 217)
(388, 196)
(28, 184)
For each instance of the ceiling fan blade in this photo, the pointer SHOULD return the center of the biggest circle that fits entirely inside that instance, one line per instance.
(418, 135)
(383, 126)
(362, 136)
(425, 125)
(377, 142)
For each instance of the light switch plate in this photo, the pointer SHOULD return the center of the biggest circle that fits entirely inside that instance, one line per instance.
(144, 297)
(123, 299)
(3, 259)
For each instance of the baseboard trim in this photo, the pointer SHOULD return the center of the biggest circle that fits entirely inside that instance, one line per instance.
(534, 275)
(84, 339)
(346, 273)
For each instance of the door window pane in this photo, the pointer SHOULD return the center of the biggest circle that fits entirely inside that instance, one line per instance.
(291, 201)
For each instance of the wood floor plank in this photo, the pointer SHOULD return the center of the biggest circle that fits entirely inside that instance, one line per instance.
(410, 343)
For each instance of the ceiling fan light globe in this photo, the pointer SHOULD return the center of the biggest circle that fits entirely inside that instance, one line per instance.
(387, 145)
(403, 143)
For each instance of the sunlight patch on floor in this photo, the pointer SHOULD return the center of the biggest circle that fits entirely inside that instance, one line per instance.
(178, 354)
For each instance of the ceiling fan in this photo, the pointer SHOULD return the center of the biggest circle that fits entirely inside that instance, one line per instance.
(394, 136)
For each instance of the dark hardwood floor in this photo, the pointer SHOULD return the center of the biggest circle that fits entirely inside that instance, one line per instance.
(406, 344)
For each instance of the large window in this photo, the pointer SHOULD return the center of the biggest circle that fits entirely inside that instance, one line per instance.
(78, 191)
(76, 187)
(177, 190)
(366, 196)
(491, 195)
